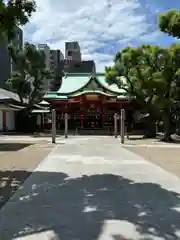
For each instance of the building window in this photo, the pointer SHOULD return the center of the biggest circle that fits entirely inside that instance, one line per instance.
(69, 53)
(75, 45)
(68, 45)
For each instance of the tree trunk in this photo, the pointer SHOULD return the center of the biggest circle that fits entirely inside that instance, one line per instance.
(25, 122)
(150, 128)
(167, 127)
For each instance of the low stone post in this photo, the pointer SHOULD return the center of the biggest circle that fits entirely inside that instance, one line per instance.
(122, 130)
(66, 125)
(53, 126)
(115, 125)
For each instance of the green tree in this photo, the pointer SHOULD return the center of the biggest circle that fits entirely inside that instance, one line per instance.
(14, 13)
(134, 65)
(169, 94)
(169, 22)
(30, 76)
(150, 75)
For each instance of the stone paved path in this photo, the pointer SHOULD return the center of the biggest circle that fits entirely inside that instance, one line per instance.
(93, 189)
(17, 161)
(166, 157)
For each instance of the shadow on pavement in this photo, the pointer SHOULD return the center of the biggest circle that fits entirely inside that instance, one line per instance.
(12, 147)
(10, 181)
(120, 237)
(76, 208)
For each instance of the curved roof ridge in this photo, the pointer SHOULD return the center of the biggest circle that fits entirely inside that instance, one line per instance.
(74, 82)
(91, 92)
(77, 74)
(112, 88)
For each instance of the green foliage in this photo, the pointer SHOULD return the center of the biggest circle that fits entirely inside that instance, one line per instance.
(28, 80)
(151, 74)
(14, 13)
(169, 22)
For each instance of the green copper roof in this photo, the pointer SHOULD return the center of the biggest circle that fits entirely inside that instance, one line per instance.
(76, 84)
(112, 87)
(73, 82)
(54, 95)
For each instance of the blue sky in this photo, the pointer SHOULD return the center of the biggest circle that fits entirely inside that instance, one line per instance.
(102, 28)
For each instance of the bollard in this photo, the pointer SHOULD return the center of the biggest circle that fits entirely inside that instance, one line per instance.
(115, 125)
(66, 125)
(53, 126)
(122, 125)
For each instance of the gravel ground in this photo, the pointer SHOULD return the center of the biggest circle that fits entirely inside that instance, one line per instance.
(166, 157)
(17, 161)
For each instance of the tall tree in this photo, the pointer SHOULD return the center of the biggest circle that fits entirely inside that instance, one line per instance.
(150, 75)
(137, 66)
(169, 22)
(31, 74)
(14, 13)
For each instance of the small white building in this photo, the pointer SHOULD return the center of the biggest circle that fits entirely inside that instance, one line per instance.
(9, 105)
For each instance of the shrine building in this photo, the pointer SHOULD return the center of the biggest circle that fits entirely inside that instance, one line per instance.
(89, 101)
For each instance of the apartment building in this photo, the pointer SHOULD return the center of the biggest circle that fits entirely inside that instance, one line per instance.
(47, 52)
(85, 66)
(17, 42)
(6, 65)
(55, 57)
(46, 49)
(18, 38)
(72, 51)
(73, 62)
(52, 60)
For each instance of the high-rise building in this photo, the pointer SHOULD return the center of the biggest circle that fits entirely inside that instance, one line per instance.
(6, 65)
(55, 57)
(46, 49)
(52, 60)
(85, 66)
(72, 51)
(17, 43)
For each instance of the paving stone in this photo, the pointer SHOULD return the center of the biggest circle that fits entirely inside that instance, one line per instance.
(94, 190)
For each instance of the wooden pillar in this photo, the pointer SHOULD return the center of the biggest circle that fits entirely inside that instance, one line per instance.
(53, 126)
(4, 120)
(115, 125)
(66, 125)
(102, 115)
(81, 112)
(42, 122)
(102, 120)
(122, 125)
(81, 121)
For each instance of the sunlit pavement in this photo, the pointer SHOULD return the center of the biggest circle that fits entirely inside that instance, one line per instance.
(92, 188)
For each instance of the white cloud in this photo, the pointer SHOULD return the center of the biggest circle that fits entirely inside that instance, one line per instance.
(92, 24)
